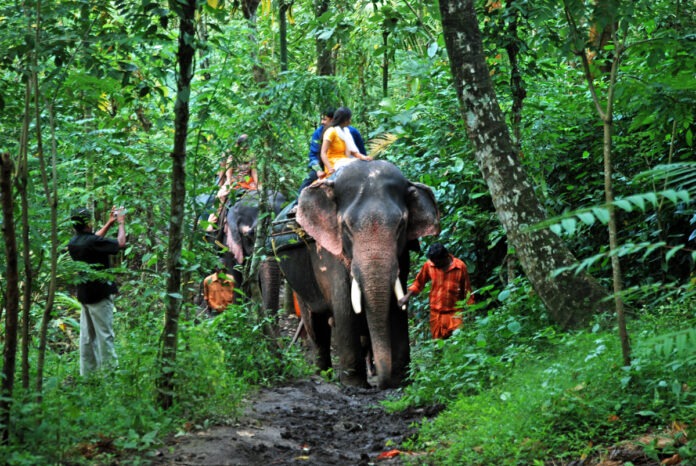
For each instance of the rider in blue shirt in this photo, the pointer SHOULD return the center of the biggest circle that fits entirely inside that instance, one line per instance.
(315, 164)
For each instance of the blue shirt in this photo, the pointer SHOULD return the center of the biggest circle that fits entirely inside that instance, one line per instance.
(315, 145)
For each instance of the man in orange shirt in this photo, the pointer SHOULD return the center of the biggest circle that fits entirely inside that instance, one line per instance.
(218, 291)
(450, 285)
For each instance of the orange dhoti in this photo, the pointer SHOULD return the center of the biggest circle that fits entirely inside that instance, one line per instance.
(443, 323)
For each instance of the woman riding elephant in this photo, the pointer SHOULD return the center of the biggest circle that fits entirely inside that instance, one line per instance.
(356, 268)
(338, 146)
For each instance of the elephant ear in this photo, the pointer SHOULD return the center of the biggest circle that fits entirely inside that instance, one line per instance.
(318, 215)
(423, 213)
(233, 238)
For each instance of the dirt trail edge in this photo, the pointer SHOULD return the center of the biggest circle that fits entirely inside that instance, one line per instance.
(309, 422)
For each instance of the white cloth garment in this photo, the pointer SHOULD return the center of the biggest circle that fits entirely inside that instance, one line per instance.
(344, 134)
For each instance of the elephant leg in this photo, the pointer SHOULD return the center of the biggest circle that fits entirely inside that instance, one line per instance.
(322, 340)
(231, 269)
(401, 352)
(269, 282)
(316, 325)
(353, 370)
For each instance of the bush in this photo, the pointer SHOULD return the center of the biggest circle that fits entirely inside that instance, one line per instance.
(572, 400)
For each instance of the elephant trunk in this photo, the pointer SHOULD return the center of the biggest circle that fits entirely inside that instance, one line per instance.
(377, 286)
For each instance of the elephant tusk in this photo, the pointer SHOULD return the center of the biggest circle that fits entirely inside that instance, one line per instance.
(355, 297)
(399, 292)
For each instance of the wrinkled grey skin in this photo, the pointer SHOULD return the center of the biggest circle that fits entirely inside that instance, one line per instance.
(361, 221)
(239, 237)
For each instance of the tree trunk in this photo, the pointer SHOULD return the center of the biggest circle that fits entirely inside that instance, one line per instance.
(11, 295)
(21, 182)
(52, 197)
(249, 8)
(606, 115)
(325, 64)
(517, 89)
(570, 300)
(167, 356)
(385, 62)
(283, 27)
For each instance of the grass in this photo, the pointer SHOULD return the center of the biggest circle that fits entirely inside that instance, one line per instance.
(528, 400)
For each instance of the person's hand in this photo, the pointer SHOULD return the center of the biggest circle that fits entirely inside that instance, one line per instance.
(404, 299)
(120, 214)
(321, 174)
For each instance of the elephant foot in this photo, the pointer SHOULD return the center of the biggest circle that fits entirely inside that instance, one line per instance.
(323, 362)
(354, 379)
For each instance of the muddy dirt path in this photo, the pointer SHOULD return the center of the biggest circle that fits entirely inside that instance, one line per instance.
(309, 422)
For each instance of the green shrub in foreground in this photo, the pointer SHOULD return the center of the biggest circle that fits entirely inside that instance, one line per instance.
(112, 415)
(249, 352)
(573, 402)
(476, 355)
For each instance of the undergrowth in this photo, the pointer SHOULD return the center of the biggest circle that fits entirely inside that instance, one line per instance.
(111, 417)
(520, 393)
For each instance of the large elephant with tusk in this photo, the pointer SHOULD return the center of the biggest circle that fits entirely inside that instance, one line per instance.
(353, 266)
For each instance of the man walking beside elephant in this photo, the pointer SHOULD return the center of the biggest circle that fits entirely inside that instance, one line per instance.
(450, 285)
(218, 291)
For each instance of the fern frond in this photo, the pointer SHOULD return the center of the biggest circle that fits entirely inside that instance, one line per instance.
(678, 176)
(381, 143)
(68, 301)
(681, 343)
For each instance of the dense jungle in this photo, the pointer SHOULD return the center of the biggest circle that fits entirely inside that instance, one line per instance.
(555, 139)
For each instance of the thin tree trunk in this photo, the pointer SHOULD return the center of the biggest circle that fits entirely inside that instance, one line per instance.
(249, 8)
(325, 64)
(570, 299)
(283, 31)
(385, 62)
(517, 89)
(51, 194)
(11, 295)
(21, 182)
(170, 333)
(607, 116)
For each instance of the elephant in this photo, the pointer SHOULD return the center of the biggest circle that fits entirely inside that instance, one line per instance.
(239, 235)
(350, 261)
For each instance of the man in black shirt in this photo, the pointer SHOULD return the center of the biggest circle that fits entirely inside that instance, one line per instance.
(96, 294)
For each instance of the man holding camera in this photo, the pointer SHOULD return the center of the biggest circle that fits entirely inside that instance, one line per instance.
(96, 294)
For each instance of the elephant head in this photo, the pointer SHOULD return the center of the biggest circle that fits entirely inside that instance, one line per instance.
(364, 217)
(242, 219)
(240, 235)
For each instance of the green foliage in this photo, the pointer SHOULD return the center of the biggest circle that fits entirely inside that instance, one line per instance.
(563, 398)
(249, 353)
(112, 415)
(479, 354)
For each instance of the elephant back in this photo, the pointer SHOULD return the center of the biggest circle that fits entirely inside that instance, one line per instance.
(286, 233)
(290, 244)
